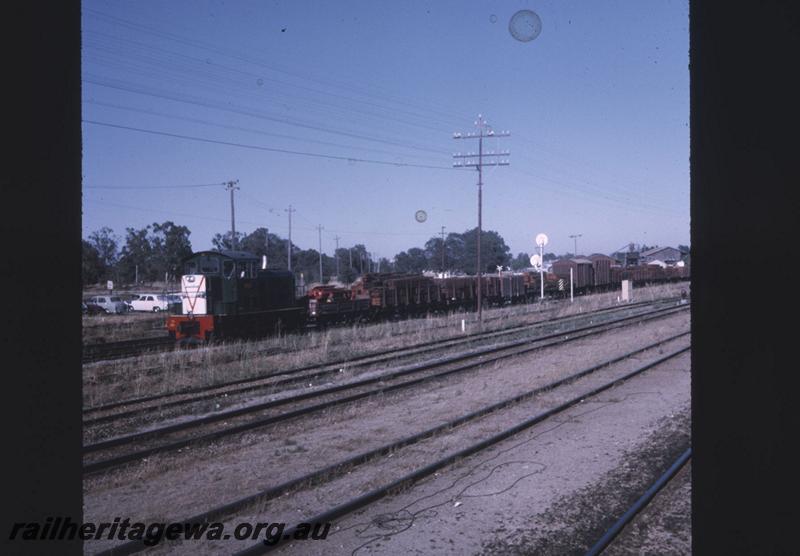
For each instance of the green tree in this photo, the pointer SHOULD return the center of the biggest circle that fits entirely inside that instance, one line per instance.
(385, 265)
(106, 245)
(522, 260)
(170, 245)
(347, 273)
(153, 252)
(92, 266)
(413, 260)
(222, 242)
(494, 251)
(136, 258)
(433, 251)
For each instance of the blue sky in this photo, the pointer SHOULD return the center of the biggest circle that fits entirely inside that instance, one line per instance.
(370, 93)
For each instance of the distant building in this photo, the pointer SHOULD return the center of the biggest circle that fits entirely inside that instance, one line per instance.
(667, 256)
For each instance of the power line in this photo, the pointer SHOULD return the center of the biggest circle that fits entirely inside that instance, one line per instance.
(150, 65)
(112, 187)
(246, 129)
(382, 95)
(268, 149)
(228, 107)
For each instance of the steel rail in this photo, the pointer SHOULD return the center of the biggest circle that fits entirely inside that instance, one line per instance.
(640, 503)
(340, 467)
(115, 461)
(123, 348)
(415, 476)
(249, 384)
(403, 371)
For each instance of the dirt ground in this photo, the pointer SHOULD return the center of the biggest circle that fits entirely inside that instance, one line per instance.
(237, 467)
(551, 490)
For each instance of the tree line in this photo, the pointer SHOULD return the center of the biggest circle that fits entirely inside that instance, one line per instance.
(154, 254)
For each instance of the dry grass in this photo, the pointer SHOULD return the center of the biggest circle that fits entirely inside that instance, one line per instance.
(112, 328)
(174, 371)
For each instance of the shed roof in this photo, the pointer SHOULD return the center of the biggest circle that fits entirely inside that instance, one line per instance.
(600, 256)
(654, 250)
(228, 253)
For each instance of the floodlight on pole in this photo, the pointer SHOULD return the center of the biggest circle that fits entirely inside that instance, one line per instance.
(575, 238)
(541, 241)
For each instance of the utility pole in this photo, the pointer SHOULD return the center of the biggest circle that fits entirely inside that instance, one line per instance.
(442, 250)
(290, 210)
(575, 238)
(266, 246)
(468, 161)
(336, 254)
(231, 186)
(350, 251)
(319, 229)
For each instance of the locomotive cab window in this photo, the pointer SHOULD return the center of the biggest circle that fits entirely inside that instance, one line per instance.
(227, 269)
(190, 267)
(209, 265)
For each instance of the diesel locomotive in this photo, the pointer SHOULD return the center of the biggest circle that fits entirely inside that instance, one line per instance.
(231, 294)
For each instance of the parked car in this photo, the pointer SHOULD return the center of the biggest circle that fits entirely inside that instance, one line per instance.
(109, 304)
(175, 303)
(91, 308)
(151, 302)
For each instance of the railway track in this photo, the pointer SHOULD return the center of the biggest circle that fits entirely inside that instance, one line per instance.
(108, 351)
(159, 402)
(105, 454)
(125, 348)
(340, 468)
(609, 536)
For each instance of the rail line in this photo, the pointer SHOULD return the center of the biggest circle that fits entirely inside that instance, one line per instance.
(107, 351)
(363, 388)
(159, 402)
(340, 468)
(124, 348)
(640, 504)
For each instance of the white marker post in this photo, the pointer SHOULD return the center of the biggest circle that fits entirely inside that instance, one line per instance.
(571, 296)
(626, 290)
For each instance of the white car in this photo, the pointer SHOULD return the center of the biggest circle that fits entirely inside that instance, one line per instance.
(151, 302)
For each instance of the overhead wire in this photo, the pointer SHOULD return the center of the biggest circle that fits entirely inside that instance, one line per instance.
(229, 107)
(254, 77)
(255, 61)
(153, 186)
(247, 129)
(268, 149)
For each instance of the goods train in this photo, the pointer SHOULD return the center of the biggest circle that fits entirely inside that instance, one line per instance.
(231, 294)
